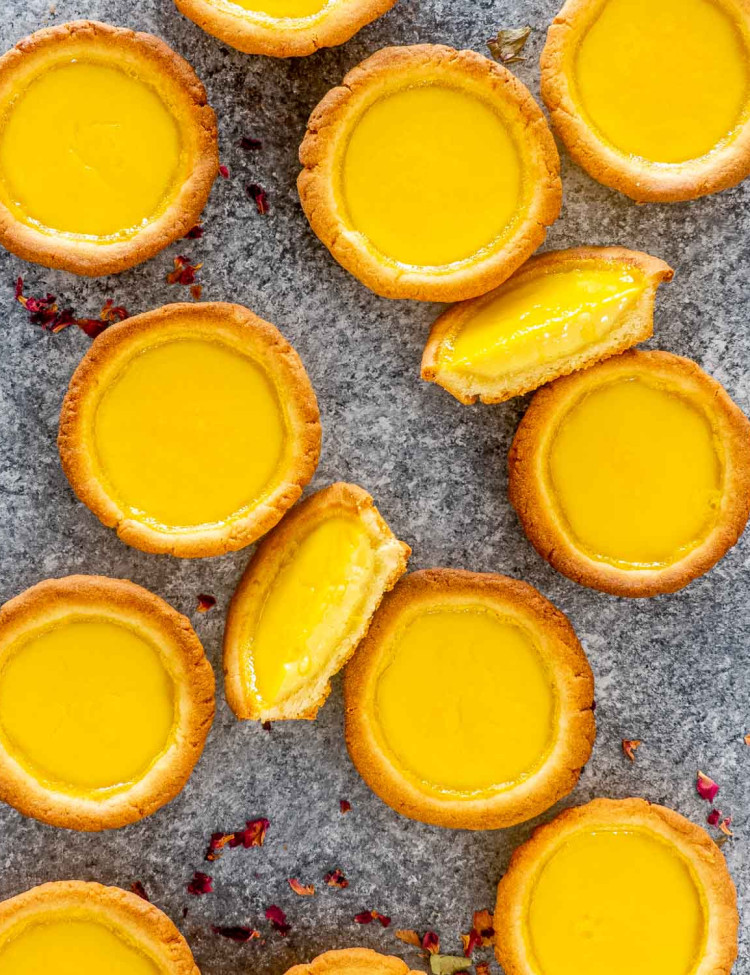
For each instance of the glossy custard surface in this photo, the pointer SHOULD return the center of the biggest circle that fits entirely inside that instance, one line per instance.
(189, 433)
(309, 606)
(666, 80)
(281, 8)
(86, 704)
(634, 469)
(431, 175)
(617, 901)
(74, 945)
(464, 702)
(88, 149)
(553, 315)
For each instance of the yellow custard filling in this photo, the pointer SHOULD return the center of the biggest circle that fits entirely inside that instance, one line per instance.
(74, 945)
(544, 318)
(431, 175)
(281, 9)
(617, 901)
(464, 702)
(88, 149)
(634, 469)
(667, 80)
(86, 704)
(313, 600)
(189, 433)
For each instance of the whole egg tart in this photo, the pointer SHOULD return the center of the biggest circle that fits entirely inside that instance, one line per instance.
(108, 148)
(617, 886)
(353, 961)
(652, 98)
(469, 703)
(429, 173)
(76, 928)
(283, 28)
(332, 559)
(190, 429)
(632, 477)
(560, 312)
(106, 699)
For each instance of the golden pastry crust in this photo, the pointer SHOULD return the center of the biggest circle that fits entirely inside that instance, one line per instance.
(142, 923)
(531, 497)
(239, 329)
(176, 82)
(566, 663)
(171, 634)
(695, 845)
(353, 961)
(394, 68)
(283, 37)
(270, 556)
(639, 179)
(637, 325)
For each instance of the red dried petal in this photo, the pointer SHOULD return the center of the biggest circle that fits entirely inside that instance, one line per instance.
(19, 288)
(344, 806)
(266, 726)
(471, 941)
(713, 817)
(196, 291)
(304, 890)
(113, 313)
(483, 923)
(258, 195)
(366, 917)
(409, 938)
(630, 746)
(205, 602)
(138, 888)
(195, 233)
(248, 143)
(278, 920)
(705, 787)
(482, 968)
(254, 833)
(431, 943)
(724, 826)
(237, 933)
(335, 878)
(184, 272)
(200, 884)
(224, 172)
(45, 312)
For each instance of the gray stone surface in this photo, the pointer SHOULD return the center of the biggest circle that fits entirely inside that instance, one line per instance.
(672, 671)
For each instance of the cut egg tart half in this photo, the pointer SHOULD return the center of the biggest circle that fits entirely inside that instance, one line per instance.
(190, 429)
(652, 98)
(469, 702)
(331, 559)
(632, 477)
(429, 173)
(108, 149)
(353, 961)
(76, 928)
(106, 699)
(617, 886)
(560, 312)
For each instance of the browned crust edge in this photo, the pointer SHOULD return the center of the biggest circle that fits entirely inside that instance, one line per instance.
(54, 599)
(641, 181)
(529, 496)
(640, 325)
(691, 841)
(563, 654)
(260, 575)
(283, 37)
(240, 329)
(353, 961)
(328, 125)
(180, 81)
(142, 922)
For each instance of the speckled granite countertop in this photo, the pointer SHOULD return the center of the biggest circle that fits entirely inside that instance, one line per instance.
(673, 671)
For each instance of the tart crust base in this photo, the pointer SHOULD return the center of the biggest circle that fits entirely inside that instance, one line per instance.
(153, 619)
(562, 654)
(690, 840)
(353, 961)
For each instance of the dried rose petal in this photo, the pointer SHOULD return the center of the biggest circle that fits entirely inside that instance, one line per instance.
(431, 943)
(630, 746)
(200, 884)
(236, 933)
(254, 833)
(471, 941)
(482, 968)
(344, 806)
(706, 788)
(196, 290)
(46, 313)
(724, 826)
(335, 878)
(195, 233)
(266, 726)
(713, 817)
(248, 143)
(366, 917)
(224, 172)
(507, 46)
(184, 272)
(483, 924)
(278, 920)
(409, 938)
(304, 890)
(205, 602)
(137, 888)
(113, 313)
(258, 195)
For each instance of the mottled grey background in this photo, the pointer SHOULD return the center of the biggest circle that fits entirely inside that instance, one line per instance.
(672, 671)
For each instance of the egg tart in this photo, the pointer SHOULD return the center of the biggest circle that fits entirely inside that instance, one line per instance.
(332, 559)
(106, 699)
(76, 928)
(283, 28)
(108, 149)
(617, 886)
(652, 98)
(353, 961)
(469, 702)
(429, 173)
(633, 477)
(190, 429)
(560, 312)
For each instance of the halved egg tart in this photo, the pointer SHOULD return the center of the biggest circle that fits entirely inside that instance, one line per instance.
(76, 928)
(429, 173)
(190, 429)
(283, 28)
(560, 312)
(652, 99)
(617, 886)
(632, 477)
(353, 961)
(108, 148)
(331, 560)
(106, 699)
(469, 702)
